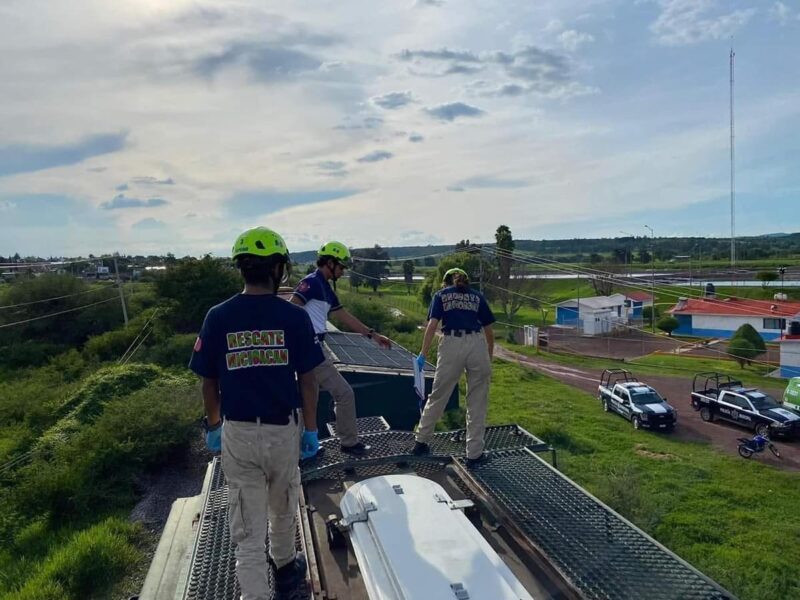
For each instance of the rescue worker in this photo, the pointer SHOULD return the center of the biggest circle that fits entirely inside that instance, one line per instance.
(467, 345)
(315, 294)
(256, 354)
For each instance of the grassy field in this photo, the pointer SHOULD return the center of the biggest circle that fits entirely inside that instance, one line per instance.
(661, 364)
(735, 520)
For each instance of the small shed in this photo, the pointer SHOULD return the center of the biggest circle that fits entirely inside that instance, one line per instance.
(595, 315)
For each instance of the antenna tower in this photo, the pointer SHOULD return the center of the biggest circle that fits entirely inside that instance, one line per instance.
(733, 179)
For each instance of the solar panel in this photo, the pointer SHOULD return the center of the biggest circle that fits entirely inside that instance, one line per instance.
(354, 349)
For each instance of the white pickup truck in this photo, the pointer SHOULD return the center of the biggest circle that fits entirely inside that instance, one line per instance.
(637, 402)
(718, 396)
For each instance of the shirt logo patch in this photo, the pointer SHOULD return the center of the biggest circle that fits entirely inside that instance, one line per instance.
(303, 287)
(198, 344)
(256, 349)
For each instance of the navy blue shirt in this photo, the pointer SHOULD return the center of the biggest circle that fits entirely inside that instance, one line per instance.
(458, 309)
(318, 298)
(255, 345)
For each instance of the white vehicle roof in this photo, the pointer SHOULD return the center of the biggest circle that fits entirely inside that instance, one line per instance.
(412, 544)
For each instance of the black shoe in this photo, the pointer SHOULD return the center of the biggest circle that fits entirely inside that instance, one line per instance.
(421, 449)
(291, 580)
(357, 449)
(472, 462)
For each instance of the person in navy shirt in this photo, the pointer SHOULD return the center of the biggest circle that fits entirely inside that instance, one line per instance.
(467, 345)
(256, 354)
(314, 293)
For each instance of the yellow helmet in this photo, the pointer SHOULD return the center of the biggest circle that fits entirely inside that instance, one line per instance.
(260, 241)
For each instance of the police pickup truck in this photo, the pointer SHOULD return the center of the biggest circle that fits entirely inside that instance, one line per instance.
(619, 392)
(719, 396)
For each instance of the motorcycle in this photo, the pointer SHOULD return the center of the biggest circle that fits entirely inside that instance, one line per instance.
(759, 443)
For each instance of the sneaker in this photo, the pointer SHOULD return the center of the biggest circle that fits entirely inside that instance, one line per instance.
(291, 580)
(357, 449)
(421, 449)
(473, 462)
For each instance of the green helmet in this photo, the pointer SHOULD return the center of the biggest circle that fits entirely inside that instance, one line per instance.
(453, 271)
(260, 241)
(336, 250)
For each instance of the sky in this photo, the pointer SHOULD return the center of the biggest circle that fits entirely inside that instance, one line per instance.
(154, 126)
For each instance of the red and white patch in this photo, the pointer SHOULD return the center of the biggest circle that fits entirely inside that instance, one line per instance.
(198, 344)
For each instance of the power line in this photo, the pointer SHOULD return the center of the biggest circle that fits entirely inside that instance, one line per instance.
(612, 278)
(55, 314)
(56, 297)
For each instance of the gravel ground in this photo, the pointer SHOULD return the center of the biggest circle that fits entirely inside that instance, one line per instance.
(180, 476)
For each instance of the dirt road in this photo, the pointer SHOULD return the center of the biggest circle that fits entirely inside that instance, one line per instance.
(678, 391)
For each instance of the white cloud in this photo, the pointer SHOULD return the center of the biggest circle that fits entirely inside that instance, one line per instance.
(571, 39)
(683, 22)
(781, 13)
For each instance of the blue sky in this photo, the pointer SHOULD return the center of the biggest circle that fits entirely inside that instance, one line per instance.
(171, 126)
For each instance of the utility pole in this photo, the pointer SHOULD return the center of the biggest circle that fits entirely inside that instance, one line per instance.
(121, 295)
(733, 178)
(652, 278)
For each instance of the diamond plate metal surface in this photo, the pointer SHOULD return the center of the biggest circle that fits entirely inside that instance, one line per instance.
(364, 425)
(387, 446)
(212, 574)
(603, 555)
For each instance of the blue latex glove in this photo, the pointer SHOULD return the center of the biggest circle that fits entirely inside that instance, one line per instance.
(309, 445)
(214, 440)
(421, 361)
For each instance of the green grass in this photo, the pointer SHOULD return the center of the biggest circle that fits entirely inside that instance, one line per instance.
(659, 364)
(735, 520)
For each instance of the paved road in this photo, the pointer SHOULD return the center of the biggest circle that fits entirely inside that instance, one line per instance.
(678, 391)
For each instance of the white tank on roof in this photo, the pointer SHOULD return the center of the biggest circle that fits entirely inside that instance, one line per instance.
(412, 542)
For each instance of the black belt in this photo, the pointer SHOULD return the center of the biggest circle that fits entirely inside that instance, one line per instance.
(459, 332)
(269, 420)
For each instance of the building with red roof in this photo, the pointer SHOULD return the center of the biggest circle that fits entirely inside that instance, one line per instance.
(721, 317)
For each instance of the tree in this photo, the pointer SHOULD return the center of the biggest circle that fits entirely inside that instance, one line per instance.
(668, 324)
(194, 287)
(509, 292)
(644, 256)
(647, 313)
(749, 333)
(463, 260)
(766, 277)
(742, 350)
(374, 268)
(462, 245)
(429, 261)
(356, 279)
(408, 274)
(595, 258)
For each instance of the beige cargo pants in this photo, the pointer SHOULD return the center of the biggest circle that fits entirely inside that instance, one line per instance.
(457, 354)
(260, 463)
(344, 400)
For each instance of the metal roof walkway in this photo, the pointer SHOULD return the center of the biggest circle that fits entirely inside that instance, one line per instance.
(598, 553)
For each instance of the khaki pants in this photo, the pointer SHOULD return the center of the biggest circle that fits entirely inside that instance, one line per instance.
(260, 463)
(457, 354)
(344, 400)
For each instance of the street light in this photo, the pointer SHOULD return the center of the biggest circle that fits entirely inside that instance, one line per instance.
(652, 278)
(628, 251)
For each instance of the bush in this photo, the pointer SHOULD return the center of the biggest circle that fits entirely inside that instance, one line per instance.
(647, 311)
(29, 353)
(93, 468)
(174, 351)
(87, 402)
(86, 566)
(668, 324)
(742, 350)
(749, 333)
(194, 286)
(372, 314)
